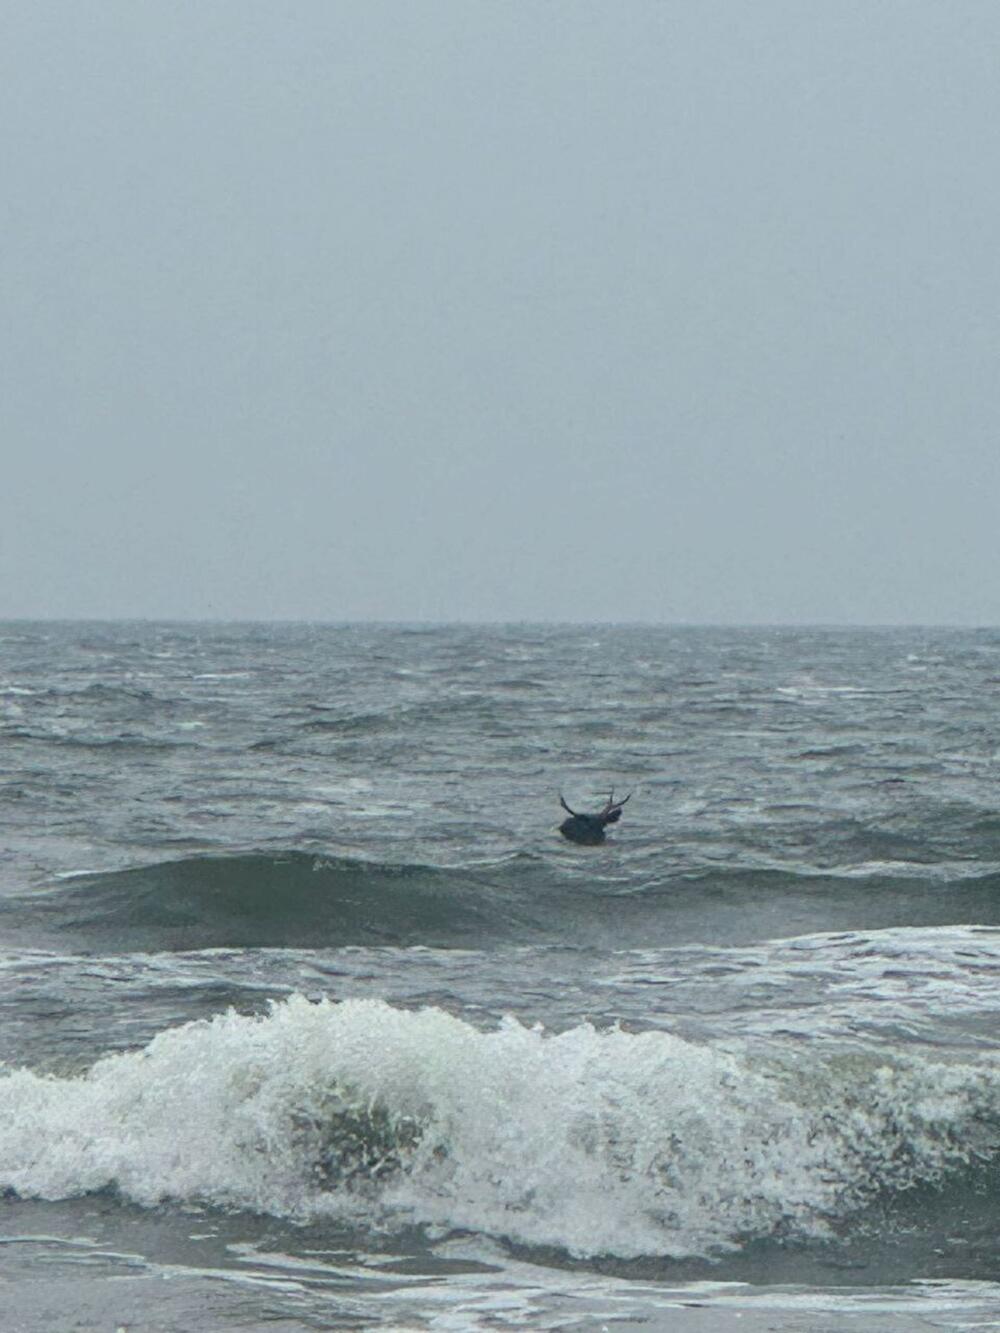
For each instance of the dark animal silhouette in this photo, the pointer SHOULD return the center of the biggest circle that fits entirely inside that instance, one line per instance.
(589, 829)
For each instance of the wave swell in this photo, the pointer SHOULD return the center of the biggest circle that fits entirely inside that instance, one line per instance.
(290, 899)
(300, 900)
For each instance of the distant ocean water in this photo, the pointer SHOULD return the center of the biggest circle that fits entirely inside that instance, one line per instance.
(310, 1019)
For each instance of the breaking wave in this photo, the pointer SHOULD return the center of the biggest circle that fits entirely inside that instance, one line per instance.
(597, 1142)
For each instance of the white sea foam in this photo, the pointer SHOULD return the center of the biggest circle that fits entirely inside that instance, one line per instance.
(814, 692)
(598, 1142)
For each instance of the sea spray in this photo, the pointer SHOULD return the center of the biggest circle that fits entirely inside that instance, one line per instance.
(592, 1141)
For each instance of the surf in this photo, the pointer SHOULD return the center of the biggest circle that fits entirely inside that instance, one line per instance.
(593, 1141)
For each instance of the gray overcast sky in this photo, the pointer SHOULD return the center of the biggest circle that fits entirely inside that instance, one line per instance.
(501, 309)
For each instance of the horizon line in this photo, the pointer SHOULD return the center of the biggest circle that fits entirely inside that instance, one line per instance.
(392, 622)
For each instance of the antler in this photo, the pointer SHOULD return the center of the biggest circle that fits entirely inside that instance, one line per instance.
(612, 812)
(612, 804)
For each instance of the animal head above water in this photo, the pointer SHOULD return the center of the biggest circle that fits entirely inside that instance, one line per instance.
(589, 829)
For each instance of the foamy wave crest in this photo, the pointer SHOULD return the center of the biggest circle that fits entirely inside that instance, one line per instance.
(596, 1142)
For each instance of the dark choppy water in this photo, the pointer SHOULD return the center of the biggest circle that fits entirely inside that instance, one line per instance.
(312, 1020)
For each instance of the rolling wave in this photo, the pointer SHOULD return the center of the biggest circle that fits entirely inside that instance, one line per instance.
(593, 1142)
(291, 899)
(299, 900)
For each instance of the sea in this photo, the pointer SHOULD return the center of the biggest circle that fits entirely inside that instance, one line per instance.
(311, 1019)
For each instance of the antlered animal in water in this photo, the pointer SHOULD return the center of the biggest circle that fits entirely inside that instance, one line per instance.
(589, 829)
